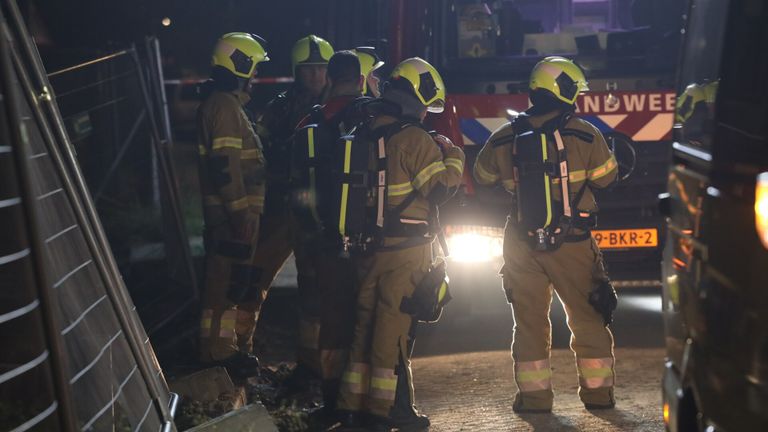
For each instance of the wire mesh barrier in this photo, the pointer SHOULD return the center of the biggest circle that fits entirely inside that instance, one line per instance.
(76, 355)
(114, 111)
(27, 396)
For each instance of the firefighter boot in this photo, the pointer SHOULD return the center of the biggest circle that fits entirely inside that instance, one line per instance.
(592, 407)
(519, 407)
(330, 389)
(328, 416)
(324, 418)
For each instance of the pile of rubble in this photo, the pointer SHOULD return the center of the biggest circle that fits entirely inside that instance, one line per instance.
(210, 397)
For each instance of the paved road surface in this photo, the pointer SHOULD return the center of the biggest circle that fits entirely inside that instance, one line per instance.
(474, 392)
(463, 372)
(464, 377)
(479, 318)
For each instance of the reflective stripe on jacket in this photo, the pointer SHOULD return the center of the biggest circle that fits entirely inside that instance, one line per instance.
(415, 162)
(231, 159)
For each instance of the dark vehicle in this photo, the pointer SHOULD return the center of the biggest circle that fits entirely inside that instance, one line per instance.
(714, 270)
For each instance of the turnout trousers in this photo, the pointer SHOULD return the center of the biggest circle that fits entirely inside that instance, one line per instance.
(229, 274)
(528, 280)
(323, 351)
(327, 319)
(379, 351)
(275, 246)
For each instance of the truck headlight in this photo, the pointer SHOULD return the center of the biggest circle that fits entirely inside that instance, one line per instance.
(761, 208)
(470, 243)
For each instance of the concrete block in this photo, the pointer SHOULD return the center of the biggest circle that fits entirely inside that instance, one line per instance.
(251, 418)
(204, 385)
(210, 385)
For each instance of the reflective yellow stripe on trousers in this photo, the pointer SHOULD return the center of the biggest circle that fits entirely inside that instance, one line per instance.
(595, 373)
(356, 378)
(533, 375)
(205, 323)
(228, 323)
(383, 384)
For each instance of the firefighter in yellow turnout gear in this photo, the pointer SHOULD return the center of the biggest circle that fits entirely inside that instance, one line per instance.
(532, 268)
(232, 184)
(420, 175)
(327, 311)
(278, 237)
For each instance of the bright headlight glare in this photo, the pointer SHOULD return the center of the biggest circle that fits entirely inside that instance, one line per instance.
(761, 208)
(475, 244)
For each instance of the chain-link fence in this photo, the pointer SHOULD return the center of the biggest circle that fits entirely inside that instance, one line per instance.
(75, 355)
(114, 111)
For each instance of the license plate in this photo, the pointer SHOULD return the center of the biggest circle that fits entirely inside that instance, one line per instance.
(622, 239)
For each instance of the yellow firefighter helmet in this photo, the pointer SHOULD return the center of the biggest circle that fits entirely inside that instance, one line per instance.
(310, 50)
(369, 62)
(693, 95)
(239, 53)
(424, 80)
(559, 76)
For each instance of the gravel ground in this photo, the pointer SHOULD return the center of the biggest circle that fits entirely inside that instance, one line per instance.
(474, 392)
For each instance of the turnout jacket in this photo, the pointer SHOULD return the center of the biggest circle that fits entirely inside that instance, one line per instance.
(416, 163)
(589, 158)
(232, 164)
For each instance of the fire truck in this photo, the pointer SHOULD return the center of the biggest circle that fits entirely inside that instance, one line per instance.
(485, 51)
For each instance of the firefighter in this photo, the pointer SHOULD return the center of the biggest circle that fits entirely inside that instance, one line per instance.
(275, 127)
(233, 184)
(563, 255)
(370, 62)
(422, 172)
(327, 312)
(695, 107)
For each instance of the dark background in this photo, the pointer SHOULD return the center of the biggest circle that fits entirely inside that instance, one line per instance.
(71, 31)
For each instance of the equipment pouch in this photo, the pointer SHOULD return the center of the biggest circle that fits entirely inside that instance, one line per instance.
(603, 296)
(430, 296)
(604, 300)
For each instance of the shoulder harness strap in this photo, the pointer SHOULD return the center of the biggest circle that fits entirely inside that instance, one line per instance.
(316, 115)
